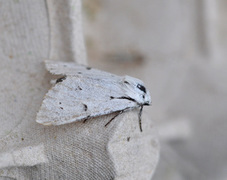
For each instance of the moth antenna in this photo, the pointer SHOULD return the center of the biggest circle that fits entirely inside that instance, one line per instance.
(140, 121)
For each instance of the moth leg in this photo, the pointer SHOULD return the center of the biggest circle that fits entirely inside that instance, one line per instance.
(84, 121)
(140, 121)
(120, 112)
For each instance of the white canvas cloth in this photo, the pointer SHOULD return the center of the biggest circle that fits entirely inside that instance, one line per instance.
(32, 31)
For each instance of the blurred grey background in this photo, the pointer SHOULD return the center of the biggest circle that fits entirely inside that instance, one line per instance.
(179, 49)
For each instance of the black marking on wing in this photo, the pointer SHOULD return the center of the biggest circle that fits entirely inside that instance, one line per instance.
(88, 68)
(61, 107)
(85, 107)
(142, 88)
(78, 88)
(60, 79)
(124, 97)
(126, 82)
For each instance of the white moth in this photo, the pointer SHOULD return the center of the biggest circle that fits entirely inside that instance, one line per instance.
(83, 93)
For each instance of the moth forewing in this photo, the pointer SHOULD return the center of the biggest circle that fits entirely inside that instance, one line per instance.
(84, 92)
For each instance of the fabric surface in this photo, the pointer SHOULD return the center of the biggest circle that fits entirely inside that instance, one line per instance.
(32, 31)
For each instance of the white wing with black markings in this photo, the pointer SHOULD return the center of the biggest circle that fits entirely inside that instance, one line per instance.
(85, 92)
(76, 99)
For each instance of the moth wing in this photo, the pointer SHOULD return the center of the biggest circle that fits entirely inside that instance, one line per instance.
(71, 68)
(75, 99)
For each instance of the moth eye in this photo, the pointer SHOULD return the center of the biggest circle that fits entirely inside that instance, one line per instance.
(141, 87)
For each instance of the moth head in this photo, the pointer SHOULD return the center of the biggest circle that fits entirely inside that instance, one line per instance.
(136, 90)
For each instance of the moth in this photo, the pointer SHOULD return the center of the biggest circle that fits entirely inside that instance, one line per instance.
(83, 92)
